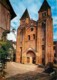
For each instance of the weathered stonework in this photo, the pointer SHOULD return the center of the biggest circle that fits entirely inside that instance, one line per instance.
(55, 51)
(35, 38)
(6, 14)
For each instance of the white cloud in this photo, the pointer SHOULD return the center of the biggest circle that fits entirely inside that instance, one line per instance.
(12, 36)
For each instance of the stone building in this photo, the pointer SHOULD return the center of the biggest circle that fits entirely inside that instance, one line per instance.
(6, 14)
(55, 51)
(35, 38)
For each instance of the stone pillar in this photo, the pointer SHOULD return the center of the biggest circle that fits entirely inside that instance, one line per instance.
(49, 56)
(37, 62)
(18, 59)
(39, 44)
(18, 51)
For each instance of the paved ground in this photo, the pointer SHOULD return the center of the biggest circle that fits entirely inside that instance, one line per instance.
(16, 68)
(16, 71)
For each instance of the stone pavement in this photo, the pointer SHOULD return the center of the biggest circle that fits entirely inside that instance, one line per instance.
(16, 68)
(16, 71)
(29, 76)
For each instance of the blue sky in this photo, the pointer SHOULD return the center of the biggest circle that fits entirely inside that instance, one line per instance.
(33, 7)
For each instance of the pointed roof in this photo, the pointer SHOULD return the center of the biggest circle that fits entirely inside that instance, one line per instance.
(44, 6)
(25, 15)
(7, 5)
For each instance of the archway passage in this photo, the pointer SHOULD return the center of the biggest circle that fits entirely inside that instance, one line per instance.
(31, 57)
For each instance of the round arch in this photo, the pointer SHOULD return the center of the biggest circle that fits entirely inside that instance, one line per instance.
(31, 56)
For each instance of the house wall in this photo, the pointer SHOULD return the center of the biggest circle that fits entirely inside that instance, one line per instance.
(4, 19)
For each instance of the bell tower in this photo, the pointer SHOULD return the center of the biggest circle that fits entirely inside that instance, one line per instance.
(25, 18)
(45, 34)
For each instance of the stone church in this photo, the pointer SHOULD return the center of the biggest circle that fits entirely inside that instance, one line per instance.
(35, 38)
(6, 15)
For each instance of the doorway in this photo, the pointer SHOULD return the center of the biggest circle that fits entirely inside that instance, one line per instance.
(31, 57)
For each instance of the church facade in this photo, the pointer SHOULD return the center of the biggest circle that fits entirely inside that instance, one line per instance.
(35, 38)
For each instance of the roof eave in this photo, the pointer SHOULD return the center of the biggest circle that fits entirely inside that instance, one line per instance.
(11, 10)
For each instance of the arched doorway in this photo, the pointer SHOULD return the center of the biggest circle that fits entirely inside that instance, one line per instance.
(31, 57)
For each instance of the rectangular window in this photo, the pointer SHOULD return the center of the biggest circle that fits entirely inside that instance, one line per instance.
(33, 36)
(28, 37)
(43, 47)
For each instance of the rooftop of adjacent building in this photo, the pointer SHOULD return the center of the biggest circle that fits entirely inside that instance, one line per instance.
(6, 4)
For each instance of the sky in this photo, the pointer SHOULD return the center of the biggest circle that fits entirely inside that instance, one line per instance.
(33, 7)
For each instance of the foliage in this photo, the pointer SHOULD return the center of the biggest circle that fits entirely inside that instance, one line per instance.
(2, 42)
(5, 32)
(3, 55)
(4, 50)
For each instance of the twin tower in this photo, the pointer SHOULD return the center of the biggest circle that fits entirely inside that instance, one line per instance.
(35, 38)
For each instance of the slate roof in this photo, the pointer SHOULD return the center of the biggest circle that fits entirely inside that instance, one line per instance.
(25, 15)
(44, 6)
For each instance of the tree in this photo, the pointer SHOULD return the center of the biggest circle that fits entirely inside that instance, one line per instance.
(3, 55)
(4, 50)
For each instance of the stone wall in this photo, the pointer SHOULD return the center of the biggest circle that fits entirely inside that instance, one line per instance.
(4, 18)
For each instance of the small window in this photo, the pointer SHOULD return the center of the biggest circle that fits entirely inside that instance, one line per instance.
(44, 14)
(43, 47)
(33, 36)
(28, 37)
(31, 29)
(43, 24)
